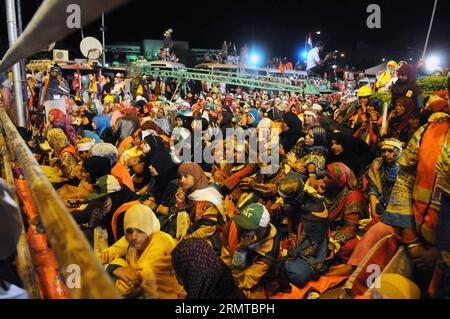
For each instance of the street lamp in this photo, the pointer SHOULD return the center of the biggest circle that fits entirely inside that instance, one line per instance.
(383, 59)
(342, 55)
(318, 32)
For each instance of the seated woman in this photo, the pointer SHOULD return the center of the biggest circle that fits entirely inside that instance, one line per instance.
(162, 121)
(352, 151)
(163, 186)
(250, 247)
(202, 273)
(382, 176)
(306, 259)
(107, 198)
(308, 156)
(202, 202)
(124, 128)
(140, 262)
(345, 205)
(66, 158)
(84, 188)
(292, 132)
(119, 170)
(400, 120)
(101, 124)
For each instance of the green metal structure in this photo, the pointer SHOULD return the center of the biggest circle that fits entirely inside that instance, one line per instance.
(252, 81)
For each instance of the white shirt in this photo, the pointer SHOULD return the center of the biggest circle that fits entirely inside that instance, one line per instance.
(312, 58)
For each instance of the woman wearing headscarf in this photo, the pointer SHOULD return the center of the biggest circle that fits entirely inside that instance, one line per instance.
(119, 170)
(57, 119)
(345, 205)
(180, 134)
(400, 120)
(141, 262)
(162, 121)
(202, 273)
(65, 153)
(108, 196)
(406, 86)
(292, 131)
(352, 151)
(253, 117)
(386, 76)
(383, 174)
(164, 171)
(102, 126)
(126, 126)
(308, 156)
(202, 202)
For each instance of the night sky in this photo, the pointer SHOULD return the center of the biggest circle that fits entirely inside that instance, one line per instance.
(276, 27)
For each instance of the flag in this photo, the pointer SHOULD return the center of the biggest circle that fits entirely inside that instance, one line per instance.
(309, 40)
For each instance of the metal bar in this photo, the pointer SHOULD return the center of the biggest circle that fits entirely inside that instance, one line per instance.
(22, 62)
(51, 23)
(103, 38)
(66, 239)
(228, 79)
(17, 78)
(25, 267)
(429, 29)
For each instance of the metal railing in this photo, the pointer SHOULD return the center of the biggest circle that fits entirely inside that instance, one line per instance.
(65, 237)
(254, 82)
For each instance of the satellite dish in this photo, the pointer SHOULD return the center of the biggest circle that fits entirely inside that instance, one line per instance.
(91, 48)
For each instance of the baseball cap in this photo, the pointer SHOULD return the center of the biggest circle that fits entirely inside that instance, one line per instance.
(253, 217)
(105, 185)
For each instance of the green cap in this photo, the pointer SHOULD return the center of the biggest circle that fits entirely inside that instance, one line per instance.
(253, 217)
(104, 185)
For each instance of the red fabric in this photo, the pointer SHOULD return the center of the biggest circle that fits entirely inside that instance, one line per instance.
(57, 115)
(46, 266)
(346, 206)
(232, 238)
(24, 193)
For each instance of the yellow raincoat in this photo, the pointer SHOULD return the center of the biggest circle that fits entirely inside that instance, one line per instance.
(385, 76)
(158, 276)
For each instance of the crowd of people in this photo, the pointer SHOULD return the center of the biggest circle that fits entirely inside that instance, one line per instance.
(355, 182)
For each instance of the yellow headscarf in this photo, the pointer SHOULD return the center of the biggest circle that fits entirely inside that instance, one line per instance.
(386, 75)
(391, 63)
(57, 139)
(143, 218)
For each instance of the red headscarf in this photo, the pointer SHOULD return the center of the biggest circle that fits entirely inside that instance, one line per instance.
(57, 115)
(403, 121)
(193, 169)
(400, 89)
(342, 175)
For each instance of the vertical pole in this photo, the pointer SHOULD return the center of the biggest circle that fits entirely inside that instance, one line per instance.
(22, 62)
(17, 78)
(103, 38)
(429, 29)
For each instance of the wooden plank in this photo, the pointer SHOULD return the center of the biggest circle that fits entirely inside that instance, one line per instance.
(66, 239)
